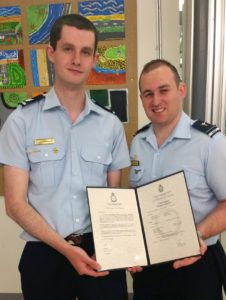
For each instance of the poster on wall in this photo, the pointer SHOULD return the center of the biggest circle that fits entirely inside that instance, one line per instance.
(110, 67)
(10, 25)
(107, 16)
(12, 73)
(42, 68)
(115, 100)
(40, 19)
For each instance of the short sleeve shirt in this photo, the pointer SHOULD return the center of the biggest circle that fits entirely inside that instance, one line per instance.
(202, 158)
(62, 157)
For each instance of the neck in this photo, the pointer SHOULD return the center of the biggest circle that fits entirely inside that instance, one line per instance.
(72, 99)
(163, 131)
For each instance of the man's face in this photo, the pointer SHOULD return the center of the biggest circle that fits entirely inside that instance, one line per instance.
(161, 97)
(73, 57)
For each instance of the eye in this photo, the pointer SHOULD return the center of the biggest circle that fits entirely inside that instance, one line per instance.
(87, 52)
(147, 94)
(67, 48)
(164, 91)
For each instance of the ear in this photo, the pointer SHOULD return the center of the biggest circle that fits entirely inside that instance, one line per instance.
(50, 52)
(95, 58)
(182, 90)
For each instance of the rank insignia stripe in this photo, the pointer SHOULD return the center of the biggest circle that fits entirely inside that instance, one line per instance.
(47, 141)
(135, 163)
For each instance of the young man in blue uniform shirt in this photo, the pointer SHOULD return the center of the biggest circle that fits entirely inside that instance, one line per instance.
(173, 142)
(51, 149)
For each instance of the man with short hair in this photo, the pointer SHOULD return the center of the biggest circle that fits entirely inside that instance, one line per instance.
(51, 149)
(170, 143)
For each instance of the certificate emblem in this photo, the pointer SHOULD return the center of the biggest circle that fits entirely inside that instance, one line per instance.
(113, 197)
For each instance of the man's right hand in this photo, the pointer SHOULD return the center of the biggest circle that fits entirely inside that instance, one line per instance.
(84, 264)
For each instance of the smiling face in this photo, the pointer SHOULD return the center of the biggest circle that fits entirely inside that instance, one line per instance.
(73, 57)
(162, 97)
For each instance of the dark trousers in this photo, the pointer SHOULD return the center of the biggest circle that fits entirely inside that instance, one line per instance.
(48, 275)
(200, 281)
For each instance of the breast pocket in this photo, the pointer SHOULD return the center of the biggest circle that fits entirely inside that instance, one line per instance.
(193, 178)
(46, 164)
(135, 176)
(94, 163)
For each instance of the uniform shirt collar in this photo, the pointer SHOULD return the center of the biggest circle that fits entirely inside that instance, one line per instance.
(52, 101)
(182, 131)
(183, 128)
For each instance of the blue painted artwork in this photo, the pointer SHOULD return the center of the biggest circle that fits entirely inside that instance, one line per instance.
(107, 16)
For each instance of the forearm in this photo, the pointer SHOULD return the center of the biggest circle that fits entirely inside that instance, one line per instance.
(114, 178)
(17, 208)
(27, 218)
(215, 222)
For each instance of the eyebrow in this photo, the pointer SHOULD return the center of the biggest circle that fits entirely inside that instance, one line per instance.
(66, 44)
(158, 88)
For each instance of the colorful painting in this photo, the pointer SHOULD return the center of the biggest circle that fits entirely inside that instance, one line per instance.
(40, 19)
(115, 100)
(110, 67)
(42, 68)
(10, 25)
(12, 100)
(12, 74)
(8, 102)
(107, 16)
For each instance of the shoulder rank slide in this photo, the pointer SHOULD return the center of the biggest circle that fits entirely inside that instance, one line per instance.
(142, 129)
(32, 100)
(206, 128)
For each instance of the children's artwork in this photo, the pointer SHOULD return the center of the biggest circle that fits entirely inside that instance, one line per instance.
(107, 16)
(115, 100)
(110, 67)
(40, 19)
(10, 25)
(42, 68)
(8, 102)
(12, 100)
(12, 74)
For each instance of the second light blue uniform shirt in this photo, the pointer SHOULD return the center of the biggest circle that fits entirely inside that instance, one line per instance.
(202, 158)
(63, 158)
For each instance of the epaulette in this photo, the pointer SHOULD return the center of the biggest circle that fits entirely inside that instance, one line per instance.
(32, 100)
(105, 108)
(206, 128)
(145, 127)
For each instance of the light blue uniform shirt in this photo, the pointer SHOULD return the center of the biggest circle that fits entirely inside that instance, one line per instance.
(202, 158)
(63, 158)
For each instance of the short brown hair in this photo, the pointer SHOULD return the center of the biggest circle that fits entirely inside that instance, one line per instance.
(74, 20)
(156, 63)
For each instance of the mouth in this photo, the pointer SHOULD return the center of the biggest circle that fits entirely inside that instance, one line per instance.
(75, 71)
(158, 110)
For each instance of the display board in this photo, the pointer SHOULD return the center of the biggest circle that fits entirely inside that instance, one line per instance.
(25, 70)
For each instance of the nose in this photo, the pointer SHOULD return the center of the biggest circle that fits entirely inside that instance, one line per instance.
(156, 99)
(76, 58)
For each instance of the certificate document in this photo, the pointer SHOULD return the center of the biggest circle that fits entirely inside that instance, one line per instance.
(149, 224)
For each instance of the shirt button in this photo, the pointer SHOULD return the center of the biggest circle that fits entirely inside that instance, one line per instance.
(98, 156)
(46, 154)
(74, 197)
(77, 220)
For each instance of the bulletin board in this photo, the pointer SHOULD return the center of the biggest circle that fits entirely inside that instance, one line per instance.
(25, 70)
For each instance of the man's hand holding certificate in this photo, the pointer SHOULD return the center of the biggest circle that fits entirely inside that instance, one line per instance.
(146, 225)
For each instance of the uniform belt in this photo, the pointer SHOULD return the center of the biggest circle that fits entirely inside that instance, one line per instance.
(78, 239)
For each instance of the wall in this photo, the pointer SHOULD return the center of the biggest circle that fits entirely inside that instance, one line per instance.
(10, 244)
(10, 250)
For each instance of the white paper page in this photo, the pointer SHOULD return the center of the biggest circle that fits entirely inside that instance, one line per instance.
(116, 227)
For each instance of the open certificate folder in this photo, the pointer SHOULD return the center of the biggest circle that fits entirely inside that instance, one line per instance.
(150, 224)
